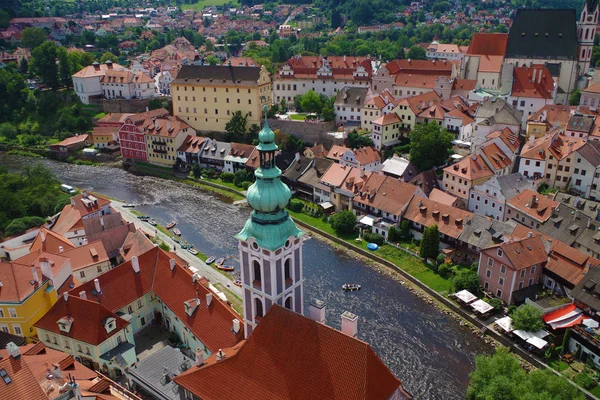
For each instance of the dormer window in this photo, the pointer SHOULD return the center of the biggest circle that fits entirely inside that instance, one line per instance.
(190, 306)
(65, 323)
(110, 324)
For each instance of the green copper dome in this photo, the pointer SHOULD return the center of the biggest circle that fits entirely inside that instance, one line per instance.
(270, 224)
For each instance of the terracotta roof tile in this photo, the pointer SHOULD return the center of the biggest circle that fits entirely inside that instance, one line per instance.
(442, 197)
(23, 385)
(336, 152)
(86, 255)
(472, 167)
(450, 220)
(289, 356)
(493, 44)
(49, 241)
(525, 252)
(496, 158)
(569, 263)
(535, 82)
(533, 204)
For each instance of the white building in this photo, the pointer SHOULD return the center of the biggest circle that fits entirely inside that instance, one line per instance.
(348, 105)
(124, 84)
(442, 51)
(532, 89)
(86, 82)
(490, 197)
(586, 173)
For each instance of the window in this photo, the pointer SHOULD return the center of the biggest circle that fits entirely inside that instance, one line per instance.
(521, 285)
(140, 304)
(259, 307)
(522, 273)
(500, 253)
(486, 285)
(503, 269)
(82, 274)
(4, 328)
(532, 270)
(12, 312)
(530, 282)
(129, 309)
(1, 313)
(501, 281)
(67, 345)
(499, 293)
(257, 272)
(79, 349)
(488, 273)
(491, 262)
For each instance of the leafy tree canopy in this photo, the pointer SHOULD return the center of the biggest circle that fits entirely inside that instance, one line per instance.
(356, 141)
(343, 221)
(108, 56)
(430, 146)
(33, 37)
(417, 53)
(527, 318)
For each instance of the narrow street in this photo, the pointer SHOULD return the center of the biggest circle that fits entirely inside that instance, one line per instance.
(206, 271)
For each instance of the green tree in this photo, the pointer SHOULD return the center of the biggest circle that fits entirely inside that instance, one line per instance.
(212, 60)
(430, 146)
(430, 243)
(343, 222)
(575, 97)
(500, 377)
(417, 53)
(311, 102)
(33, 37)
(64, 67)
(43, 64)
(78, 60)
(527, 318)
(8, 130)
(4, 19)
(356, 141)
(466, 280)
(236, 127)
(108, 56)
(197, 170)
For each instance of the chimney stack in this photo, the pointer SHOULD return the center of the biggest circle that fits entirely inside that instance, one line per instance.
(529, 234)
(236, 326)
(350, 324)
(199, 357)
(102, 222)
(61, 249)
(209, 298)
(35, 274)
(13, 350)
(533, 76)
(97, 285)
(66, 296)
(317, 311)
(147, 109)
(220, 355)
(172, 263)
(135, 264)
(83, 295)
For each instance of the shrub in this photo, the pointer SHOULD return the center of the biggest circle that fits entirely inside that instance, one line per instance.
(511, 308)
(394, 234)
(584, 380)
(440, 259)
(164, 246)
(226, 177)
(430, 243)
(20, 225)
(373, 238)
(404, 230)
(496, 303)
(445, 270)
(246, 185)
(527, 318)
(343, 221)
(465, 279)
(295, 205)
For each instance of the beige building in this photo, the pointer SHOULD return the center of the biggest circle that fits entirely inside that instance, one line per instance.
(206, 96)
(471, 171)
(163, 137)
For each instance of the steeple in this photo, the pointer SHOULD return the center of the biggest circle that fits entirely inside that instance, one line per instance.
(270, 244)
(586, 32)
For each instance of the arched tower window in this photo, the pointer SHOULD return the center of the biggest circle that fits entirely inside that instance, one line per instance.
(587, 32)
(258, 306)
(288, 303)
(257, 274)
(287, 273)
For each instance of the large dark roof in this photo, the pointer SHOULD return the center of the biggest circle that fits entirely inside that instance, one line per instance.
(218, 74)
(588, 289)
(543, 33)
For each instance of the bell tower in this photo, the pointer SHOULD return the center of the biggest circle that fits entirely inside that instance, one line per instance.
(270, 243)
(586, 32)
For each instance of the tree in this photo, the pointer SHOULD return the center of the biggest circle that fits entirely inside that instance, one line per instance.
(527, 318)
(356, 141)
(343, 221)
(430, 145)
(4, 19)
(466, 280)
(417, 53)
(33, 37)
(108, 56)
(500, 377)
(64, 67)
(43, 64)
(430, 243)
(212, 60)
(328, 112)
(311, 102)
(8, 131)
(236, 127)
(197, 170)
(575, 97)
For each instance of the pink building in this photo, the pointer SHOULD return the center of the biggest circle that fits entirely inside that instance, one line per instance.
(512, 266)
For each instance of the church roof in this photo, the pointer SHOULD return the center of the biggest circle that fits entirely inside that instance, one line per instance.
(544, 34)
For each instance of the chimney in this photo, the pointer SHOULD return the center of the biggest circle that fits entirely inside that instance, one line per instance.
(172, 263)
(102, 222)
(155, 125)
(43, 236)
(540, 77)
(61, 249)
(531, 140)
(297, 156)
(13, 350)
(97, 285)
(533, 76)
(168, 126)
(317, 311)
(529, 234)
(83, 295)
(135, 264)
(220, 355)
(548, 245)
(209, 298)
(35, 274)
(350, 324)
(236, 326)
(533, 201)
(84, 241)
(84, 194)
(66, 296)
(199, 357)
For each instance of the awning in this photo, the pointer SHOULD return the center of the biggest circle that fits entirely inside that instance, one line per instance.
(326, 205)
(590, 323)
(567, 323)
(537, 342)
(367, 220)
(564, 317)
(481, 306)
(505, 323)
(526, 335)
(465, 296)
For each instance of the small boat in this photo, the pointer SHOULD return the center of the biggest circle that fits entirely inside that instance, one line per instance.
(220, 261)
(176, 239)
(192, 250)
(210, 260)
(152, 222)
(185, 246)
(171, 225)
(350, 287)
(225, 267)
(177, 232)
(237, 282)
(142, 217)
(129, 205)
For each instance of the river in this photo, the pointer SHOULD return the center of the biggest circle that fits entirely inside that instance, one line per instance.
(430, 352)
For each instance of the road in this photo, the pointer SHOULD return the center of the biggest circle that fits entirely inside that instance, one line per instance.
(206, 271)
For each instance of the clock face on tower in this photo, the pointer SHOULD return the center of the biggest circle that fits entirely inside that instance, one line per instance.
(589, 18)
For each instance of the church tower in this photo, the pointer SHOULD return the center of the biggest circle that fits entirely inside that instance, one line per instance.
(586, 32)
(270, 243)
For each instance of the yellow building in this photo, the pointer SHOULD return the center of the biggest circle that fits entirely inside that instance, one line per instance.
(163, 137)
(471, 171)
(386, 131)
(105, 136)
(206, 96)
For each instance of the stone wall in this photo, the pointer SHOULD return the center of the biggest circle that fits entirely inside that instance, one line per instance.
(121, 105)
(310, 132)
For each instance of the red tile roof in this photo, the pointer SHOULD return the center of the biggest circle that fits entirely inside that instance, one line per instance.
(525, 252)
(366, 155)
(471, 168)
(491, 44)
(553, 144)
(424, 67)
(289, 356)
(569, 263)
(422, 81)
(16, 282)
(23, 385)
(86, 255)
(533, 204)
(450, 220)
(534, 82)
(336, 152)
(73, 140)
(342, 67)
(496, 158)
(89, 318)
(49, 241)
(76, 202)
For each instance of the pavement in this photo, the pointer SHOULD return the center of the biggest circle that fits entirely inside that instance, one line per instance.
(206, 271)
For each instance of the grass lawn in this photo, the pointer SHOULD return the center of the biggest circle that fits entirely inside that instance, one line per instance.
(298, 117)
(200, 4)
(558, 365)
(100, 115)
(220, 182)
(595, 391)
(235, 301)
